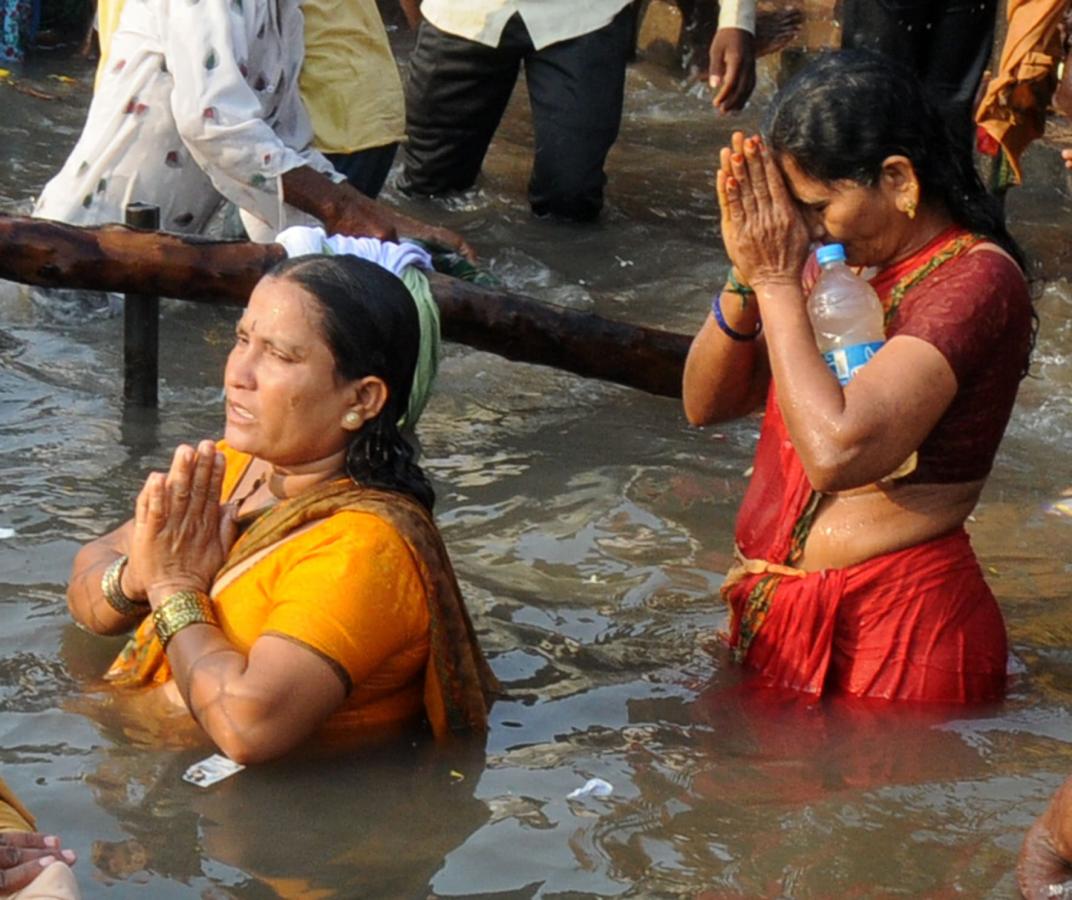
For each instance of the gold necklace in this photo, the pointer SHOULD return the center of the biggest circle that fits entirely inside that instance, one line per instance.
(258, 483)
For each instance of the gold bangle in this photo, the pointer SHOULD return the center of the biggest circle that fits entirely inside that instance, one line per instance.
(112, 588)
(179, 611)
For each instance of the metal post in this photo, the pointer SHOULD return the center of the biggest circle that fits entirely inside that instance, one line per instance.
(141, 326)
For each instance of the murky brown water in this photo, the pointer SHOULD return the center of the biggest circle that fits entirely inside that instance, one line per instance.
(590, 527)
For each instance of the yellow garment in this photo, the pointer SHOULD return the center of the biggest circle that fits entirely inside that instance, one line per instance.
(1013, 110)
(107, 22)
(13, 815)
(349, 80)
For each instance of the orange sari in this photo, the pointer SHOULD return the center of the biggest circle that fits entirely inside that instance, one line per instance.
(361, 577)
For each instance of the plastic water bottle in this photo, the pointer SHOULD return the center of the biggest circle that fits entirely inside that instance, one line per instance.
(845, 314)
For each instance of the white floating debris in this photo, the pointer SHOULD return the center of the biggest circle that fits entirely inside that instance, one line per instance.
(1060, 508)
(593, 787)
(211, 769)
(6, 533)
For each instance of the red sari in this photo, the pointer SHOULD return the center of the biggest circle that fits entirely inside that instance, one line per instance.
(916, 624)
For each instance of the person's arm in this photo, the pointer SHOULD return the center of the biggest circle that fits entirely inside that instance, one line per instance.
(732, 55)
(725, 377)
(218, 117)
(726, 373)
(411, 9)
(1046, 856)
(852, 436)
(846, 437)
(254, 708)
(345, 210)
(85, 594)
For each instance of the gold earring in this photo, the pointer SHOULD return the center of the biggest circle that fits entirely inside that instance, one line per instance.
(910, 209)
(351, 420)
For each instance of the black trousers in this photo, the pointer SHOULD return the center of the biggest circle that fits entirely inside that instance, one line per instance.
(946, 42)
(457, 91)
(365, 169)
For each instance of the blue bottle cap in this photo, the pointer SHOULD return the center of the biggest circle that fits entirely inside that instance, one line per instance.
(829, 253)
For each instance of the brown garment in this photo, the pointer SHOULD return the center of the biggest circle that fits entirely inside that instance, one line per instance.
(1013, 109)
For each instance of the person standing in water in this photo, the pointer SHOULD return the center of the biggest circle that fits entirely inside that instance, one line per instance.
(855, 574)
(464, 67)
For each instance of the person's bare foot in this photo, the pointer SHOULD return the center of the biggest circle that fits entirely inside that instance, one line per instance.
(776, 26)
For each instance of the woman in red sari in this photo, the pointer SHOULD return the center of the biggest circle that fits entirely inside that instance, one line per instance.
(854, 575)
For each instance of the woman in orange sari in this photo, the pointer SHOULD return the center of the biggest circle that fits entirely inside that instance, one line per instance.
(289, 581)
(857, 576)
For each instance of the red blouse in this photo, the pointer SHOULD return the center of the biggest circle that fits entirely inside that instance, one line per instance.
(976, 310)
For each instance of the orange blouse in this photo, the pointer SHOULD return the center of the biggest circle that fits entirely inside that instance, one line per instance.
(349, 589)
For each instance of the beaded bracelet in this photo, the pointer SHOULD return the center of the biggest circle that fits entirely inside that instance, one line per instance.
(181, 610)
(738, 287)
(112, 588)
(716, 310)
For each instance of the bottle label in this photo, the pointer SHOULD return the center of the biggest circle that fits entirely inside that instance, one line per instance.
(844, 361)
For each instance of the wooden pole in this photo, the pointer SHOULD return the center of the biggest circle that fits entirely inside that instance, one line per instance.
(115, 258)
(141, 326)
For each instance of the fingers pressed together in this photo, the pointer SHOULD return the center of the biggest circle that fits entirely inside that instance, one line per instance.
(23, 856)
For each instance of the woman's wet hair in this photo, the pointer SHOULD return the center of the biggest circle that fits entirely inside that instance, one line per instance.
(840, 117)
(371, 325)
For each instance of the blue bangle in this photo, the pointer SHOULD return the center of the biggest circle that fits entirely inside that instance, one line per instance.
(716, 311)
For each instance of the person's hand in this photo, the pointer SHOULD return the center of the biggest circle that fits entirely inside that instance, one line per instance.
(26, 854)
(1066, 155)
(732, 68)
(360, 216)
(181, 533)
(411, 9)
(763, 230)
(345, 210)
(1046, 856)
(379, 221)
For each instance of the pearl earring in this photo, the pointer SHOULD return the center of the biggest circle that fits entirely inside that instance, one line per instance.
(351, 420)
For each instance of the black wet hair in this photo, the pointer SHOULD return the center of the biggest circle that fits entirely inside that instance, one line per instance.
(370, 323)
(841, 116)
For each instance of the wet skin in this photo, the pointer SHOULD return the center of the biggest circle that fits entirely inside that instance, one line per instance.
(848, 439)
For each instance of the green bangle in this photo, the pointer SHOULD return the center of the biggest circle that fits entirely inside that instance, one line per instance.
(112, 588)
(181, 610)
(736, 286)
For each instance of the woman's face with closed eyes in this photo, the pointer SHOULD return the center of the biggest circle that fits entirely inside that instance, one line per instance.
(864, 218)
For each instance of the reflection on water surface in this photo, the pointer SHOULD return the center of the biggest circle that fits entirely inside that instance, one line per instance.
(589, 526)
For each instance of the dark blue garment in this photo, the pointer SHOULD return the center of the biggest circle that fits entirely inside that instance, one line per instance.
(18, 22)
(947, 43)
